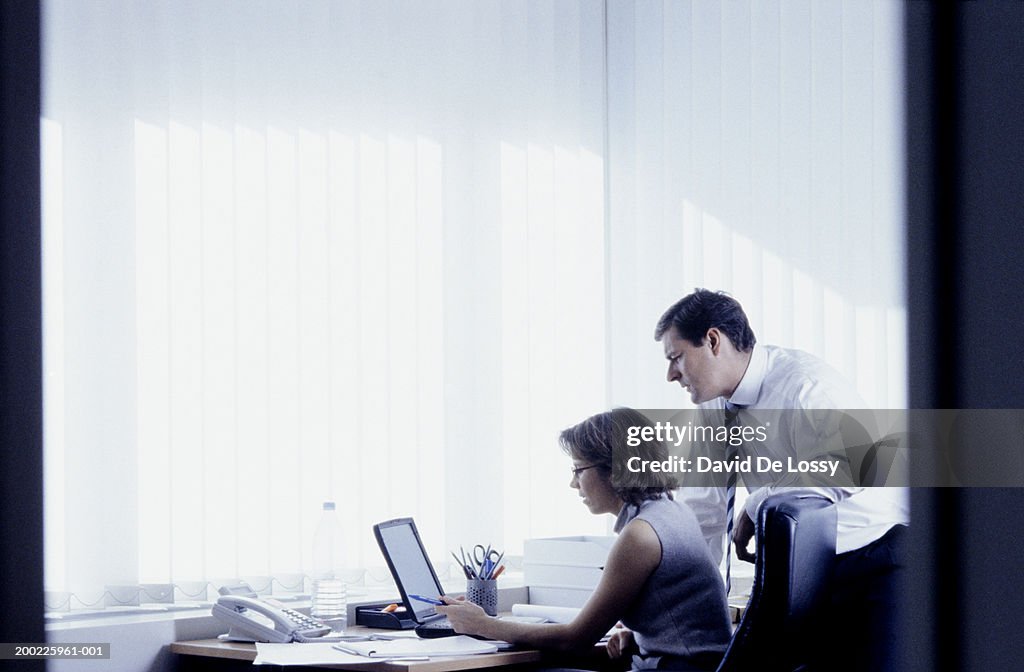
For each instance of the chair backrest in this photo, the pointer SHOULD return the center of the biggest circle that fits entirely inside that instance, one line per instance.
(796, 547)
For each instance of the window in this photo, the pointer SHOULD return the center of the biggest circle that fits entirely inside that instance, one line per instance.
(383, 254)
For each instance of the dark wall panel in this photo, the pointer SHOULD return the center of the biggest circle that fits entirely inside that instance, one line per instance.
(21, 561)
(965, 84)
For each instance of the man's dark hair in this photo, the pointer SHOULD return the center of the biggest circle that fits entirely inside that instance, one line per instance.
(695, 313)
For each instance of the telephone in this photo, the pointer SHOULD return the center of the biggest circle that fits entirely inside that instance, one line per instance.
(267, 621)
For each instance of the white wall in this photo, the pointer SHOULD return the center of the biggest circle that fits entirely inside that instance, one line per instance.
(137, 644)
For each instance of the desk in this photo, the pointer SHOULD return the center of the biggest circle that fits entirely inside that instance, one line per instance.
(214, 648)
(214, 654)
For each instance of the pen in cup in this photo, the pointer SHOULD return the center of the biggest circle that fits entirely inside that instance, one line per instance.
(462, 565)
(495, 566)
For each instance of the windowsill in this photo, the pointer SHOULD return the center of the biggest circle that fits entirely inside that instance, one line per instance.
(512, 589)
(121, 612)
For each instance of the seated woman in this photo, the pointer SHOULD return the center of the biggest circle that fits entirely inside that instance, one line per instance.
(659, 579)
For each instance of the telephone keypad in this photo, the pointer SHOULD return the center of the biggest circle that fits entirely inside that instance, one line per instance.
(303, 620)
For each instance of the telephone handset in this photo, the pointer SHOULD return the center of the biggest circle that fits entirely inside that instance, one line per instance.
(267, 621)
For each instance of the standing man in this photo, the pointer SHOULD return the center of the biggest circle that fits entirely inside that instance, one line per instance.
(713, 354)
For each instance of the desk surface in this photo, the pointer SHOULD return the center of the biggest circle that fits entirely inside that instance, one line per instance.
(215, 648)
(598, 659)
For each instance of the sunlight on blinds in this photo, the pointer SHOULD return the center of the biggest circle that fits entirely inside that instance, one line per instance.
(385, 253)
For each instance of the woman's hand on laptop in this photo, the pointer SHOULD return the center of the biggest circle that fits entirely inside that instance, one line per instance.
(465, 617)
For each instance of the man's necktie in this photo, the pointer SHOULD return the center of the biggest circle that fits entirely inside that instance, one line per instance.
(731, 413)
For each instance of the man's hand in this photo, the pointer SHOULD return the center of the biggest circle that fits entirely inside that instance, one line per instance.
(742, 533)
(620, 641)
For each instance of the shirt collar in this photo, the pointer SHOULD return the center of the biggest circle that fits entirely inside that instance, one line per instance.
(749, 389)
(626, 513)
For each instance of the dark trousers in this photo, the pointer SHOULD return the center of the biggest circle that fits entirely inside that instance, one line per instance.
(860, 631)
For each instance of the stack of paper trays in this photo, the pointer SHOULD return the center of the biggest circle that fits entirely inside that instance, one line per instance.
(563, 571)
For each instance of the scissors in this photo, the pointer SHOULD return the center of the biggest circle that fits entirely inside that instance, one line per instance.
(486, 559)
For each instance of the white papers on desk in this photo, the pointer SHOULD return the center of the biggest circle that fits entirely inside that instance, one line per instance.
(459, 645)
(303, 654)
(328, 653)
(548, 613)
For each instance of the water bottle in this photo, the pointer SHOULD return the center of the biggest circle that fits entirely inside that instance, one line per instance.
(329, 590)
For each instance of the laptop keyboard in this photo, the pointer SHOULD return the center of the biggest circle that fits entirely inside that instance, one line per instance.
(442, 627)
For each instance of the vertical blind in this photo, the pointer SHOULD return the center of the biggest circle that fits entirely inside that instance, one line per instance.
(383, 253)
(757, 148)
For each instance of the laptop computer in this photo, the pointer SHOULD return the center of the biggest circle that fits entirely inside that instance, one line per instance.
(400, 542)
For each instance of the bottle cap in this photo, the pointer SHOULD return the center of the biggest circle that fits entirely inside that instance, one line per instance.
(328, 506)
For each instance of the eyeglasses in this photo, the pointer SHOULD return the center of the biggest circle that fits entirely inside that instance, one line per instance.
(576, 470)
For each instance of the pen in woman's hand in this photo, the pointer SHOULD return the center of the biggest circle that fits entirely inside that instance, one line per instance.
(428, 600)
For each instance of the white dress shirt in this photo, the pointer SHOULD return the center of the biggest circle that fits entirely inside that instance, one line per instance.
(778, 378)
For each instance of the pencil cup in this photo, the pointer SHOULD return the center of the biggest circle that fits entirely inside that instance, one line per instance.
(485, 593)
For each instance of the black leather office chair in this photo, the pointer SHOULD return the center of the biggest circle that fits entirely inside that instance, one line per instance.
(796, 547)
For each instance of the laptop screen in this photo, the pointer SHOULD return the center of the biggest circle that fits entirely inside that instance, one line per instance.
(400, 543)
